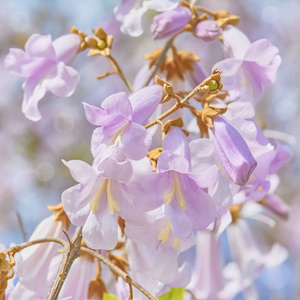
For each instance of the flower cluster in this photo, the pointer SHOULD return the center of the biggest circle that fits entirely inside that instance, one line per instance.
(178, 159)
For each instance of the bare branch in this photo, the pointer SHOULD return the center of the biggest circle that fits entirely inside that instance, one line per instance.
(71, 252)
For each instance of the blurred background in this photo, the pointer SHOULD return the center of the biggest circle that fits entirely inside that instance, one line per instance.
(32, 175)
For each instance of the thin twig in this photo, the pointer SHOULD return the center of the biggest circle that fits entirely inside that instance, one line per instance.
(18, 248)
(176, 106)
(118, 271)
(205, 10)
(70, 253)
(159, 60)
(106, 74)
(120, 72)
(21, 225)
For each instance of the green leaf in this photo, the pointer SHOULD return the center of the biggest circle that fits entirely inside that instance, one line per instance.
(174, 294)
(109, 297)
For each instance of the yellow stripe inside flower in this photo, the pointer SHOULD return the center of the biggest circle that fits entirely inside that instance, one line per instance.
(167, 198)
(94, 204)
(112, 203)
(164, 235)
(116, 138)
(176, 243)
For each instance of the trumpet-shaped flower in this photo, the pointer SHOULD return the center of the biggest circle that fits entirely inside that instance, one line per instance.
(35, 262)
(208, 278)
(188, 206)
(44, 65)
(131, 12)
(250, 66)
(155, 256)
(165, 247)
(97, 201)
(270, 158)
(121, 120)
(232, 151)
(251, 252)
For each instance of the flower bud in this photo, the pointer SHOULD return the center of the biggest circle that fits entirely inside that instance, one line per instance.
(207, 30)
(232, 151)
(170, 22)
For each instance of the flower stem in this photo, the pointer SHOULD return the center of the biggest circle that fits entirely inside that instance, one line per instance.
(178, 105)
(119, 72)
(205, 10)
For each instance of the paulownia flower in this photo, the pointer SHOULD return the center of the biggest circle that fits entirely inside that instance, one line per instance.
(250, 66)
(98, 199)
(187, 205)
(130, 13)
(251, 252)
(121, 119)
(44, 65)
(208, 278)
(156, 263)
(165, 265)
(35, 262)
(232, 151)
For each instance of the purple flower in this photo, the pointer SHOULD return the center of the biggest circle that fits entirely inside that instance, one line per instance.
(270, 158)
(165, 248)
(170, 22)
(255, 63)
(207, 30)
(121, 120)
(205, 163)
(250, 250)
(43, 64)
(131, 13)
(33, 272)
(187, 205)
(208, 278)
(99, 198)
(232, 151)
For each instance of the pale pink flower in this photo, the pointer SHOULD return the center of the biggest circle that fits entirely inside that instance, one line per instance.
(44, 65)
(131, 12)
(35, 261)
(250, 66)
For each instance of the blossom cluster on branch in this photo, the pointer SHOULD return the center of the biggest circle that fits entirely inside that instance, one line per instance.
(179, 162)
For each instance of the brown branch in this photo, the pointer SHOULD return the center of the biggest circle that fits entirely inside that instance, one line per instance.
(106, 74)
(18, 248)
(70, 253)
(178, 105)
(118, 271)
